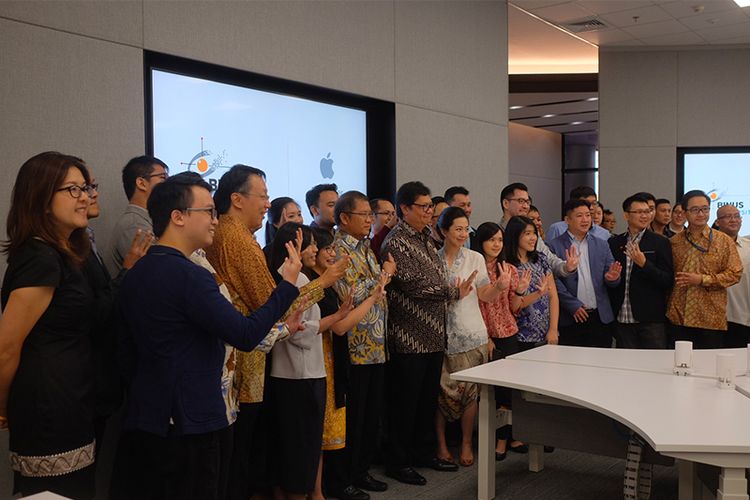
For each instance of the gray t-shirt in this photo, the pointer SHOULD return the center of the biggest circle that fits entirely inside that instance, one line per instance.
(130, 221)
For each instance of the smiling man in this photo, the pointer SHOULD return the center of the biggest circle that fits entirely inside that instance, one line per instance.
(706, 263)
(178, 435)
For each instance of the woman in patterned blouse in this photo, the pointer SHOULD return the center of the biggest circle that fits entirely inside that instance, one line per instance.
(540, 307)
(499, 314)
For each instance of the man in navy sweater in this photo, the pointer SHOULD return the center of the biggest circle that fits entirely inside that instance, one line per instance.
(177, 438)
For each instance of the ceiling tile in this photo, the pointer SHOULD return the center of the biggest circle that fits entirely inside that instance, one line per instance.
(712, 19)
(657, 29)
(725, 32)
(643, 15)
(687, 38)
(680, 8)
(625, 43)
(604, 37)
(536, 4)
(730, 41)
(562, 13)
(607, 6)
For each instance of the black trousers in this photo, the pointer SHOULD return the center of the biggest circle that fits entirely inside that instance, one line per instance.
(504, 347)
(364, 409)
(187, 467)
(702, 338)
(413, 386)
(248, 469)
(737, 335)
(641, 335)
(590, 333)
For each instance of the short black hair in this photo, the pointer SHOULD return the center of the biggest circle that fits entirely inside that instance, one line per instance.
(234, 180)
(312, 197)
(323, 237)
(677, 204)
(633, 198)
(374, 202)
(453, 191)
(648, 196)
(140, 166)
(533, 208)
(438, 199)
(484, 232)
(607, 211)
(663, 201)
(408, 194)
(273, 216)
(580, 192)
(693, 194)
(513, 231)
(346, 204)
(176, 193)
(276, 252)
(508, 190)
(571, 205)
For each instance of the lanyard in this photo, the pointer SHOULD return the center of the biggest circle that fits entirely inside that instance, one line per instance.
(697, 246)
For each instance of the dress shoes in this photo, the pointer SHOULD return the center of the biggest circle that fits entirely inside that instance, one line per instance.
(369, 483)
(441, 465)
(407, 475)
(523, 448)
(350, 493)
(499, 457)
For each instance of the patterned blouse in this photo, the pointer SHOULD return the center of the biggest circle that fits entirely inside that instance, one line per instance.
(497, 315)
(241, 265)
(466, 329)
(704, 306)
(418, 295)
(533, 320)
(367, 339)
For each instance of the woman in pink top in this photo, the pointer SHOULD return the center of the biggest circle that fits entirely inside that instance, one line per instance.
(499, 315)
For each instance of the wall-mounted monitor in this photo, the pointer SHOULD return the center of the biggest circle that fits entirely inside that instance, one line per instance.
(205, 118)
(722, 172)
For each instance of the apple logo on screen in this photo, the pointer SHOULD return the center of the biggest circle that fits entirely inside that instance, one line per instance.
(326, 167)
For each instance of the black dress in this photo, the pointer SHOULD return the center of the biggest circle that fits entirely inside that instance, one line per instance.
(50, 404)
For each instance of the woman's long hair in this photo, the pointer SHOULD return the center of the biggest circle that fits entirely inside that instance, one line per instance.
(484, 232)
(273, 217)
(276, 251)
(513, 231)
(29, 216)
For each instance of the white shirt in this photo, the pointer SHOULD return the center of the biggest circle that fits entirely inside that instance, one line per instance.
(585, 292)
(466, 329)
(738, 295)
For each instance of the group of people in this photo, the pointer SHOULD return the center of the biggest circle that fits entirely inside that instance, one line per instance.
(243, 371)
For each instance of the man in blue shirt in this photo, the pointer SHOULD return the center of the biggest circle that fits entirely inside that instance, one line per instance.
(177, 438)
(585, 310)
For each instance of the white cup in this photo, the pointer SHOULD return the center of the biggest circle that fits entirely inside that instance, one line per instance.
(683, 357)
(725, 370)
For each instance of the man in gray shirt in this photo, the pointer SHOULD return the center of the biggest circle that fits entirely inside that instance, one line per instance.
(515, 201)
(139, 177)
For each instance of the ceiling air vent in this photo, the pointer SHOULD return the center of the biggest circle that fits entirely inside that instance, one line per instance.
(584, 25)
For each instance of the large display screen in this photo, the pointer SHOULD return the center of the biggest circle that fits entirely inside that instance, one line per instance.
(722, 173)
(207, 126)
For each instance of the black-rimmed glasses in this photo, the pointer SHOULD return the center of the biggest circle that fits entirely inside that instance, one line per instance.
(426, 207)
(209, 210)
(75, 190)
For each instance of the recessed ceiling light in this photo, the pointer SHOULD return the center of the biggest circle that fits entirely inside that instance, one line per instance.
(596, 98)
(516, 107)
(742, 3)
(576, 123)
(548, 116)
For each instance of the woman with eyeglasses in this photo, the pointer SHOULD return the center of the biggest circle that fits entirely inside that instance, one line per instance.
(46, 366)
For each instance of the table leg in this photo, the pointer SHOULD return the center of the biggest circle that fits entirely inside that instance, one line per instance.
(689, 487)
(536, 457)
(487, 426)
(732, 484)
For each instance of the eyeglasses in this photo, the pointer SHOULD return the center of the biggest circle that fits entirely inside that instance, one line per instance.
(263, 197)
(699, 210)
(426, 207)
(90, 188)
(209, 210)
(329, 249)
(521, 201)
(731, 217)
(75, 190)
(163, 176)
(640, 212)
(366, 215)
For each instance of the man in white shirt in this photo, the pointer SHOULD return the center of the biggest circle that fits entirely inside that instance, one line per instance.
(729, 221)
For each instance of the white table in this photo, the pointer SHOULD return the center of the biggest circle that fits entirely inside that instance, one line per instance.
(688, 418)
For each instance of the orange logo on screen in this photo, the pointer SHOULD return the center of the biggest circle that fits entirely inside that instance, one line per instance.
(714, 195)
(202, 165)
